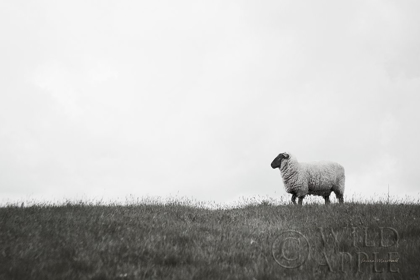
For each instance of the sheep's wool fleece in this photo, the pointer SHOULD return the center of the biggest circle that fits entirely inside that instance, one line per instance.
(318, 178)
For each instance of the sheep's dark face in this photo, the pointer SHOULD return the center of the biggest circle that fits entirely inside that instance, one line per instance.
(277, 161)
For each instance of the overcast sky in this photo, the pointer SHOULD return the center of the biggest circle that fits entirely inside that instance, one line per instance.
(103, 99)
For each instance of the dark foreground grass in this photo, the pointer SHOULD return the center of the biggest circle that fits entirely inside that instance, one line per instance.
(175, 241)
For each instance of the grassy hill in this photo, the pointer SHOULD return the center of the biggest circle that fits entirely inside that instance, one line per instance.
(178, 241)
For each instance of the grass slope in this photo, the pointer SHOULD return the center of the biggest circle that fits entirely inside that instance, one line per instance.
(175, 241)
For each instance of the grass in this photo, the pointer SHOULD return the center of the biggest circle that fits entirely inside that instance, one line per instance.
(178, 240)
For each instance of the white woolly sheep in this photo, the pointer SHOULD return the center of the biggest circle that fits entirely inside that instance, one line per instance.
(317, 178)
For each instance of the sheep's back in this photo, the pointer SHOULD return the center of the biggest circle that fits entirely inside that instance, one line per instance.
(322, 175)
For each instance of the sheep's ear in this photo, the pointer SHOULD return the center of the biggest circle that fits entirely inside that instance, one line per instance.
(286, 156)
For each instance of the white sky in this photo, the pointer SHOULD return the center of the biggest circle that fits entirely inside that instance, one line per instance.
(103, 99)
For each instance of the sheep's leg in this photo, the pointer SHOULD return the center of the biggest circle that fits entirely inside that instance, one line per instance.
(339, 193)
(327, 199)
(294, 198)
(340, 197)
(301, 200)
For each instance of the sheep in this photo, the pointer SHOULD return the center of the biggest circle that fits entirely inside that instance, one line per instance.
(318, 178)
